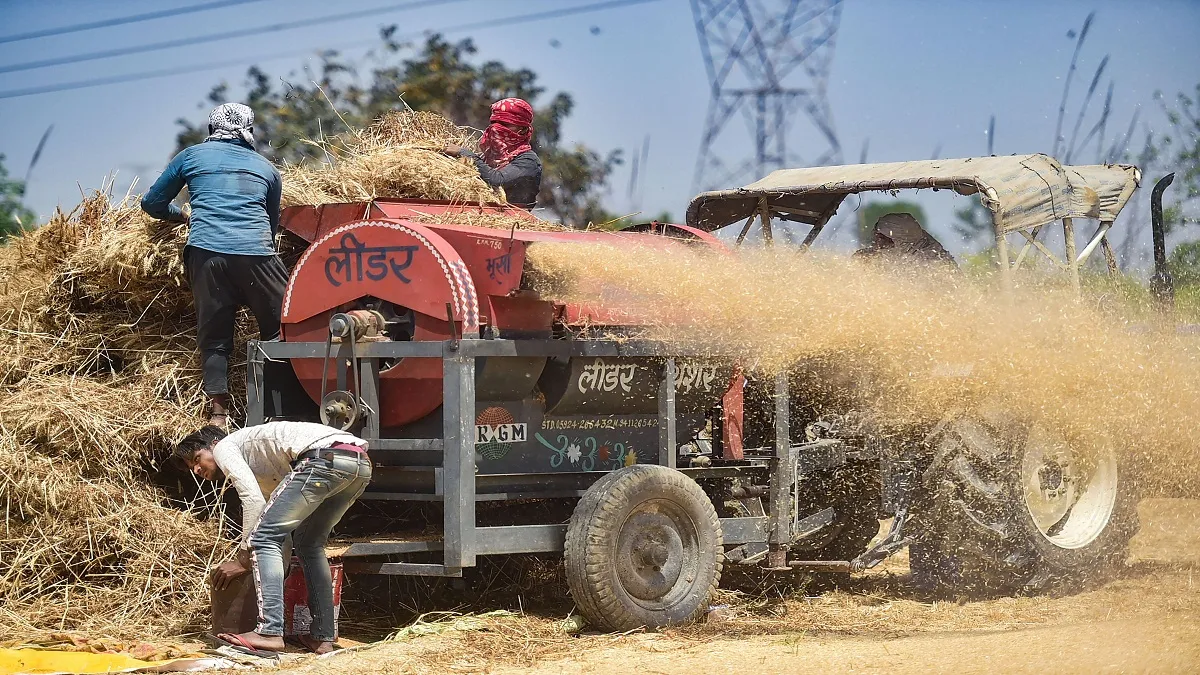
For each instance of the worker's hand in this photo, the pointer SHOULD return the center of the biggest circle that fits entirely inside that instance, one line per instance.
(453, 150)
(226, 572)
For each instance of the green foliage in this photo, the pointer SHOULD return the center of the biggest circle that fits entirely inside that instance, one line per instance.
(1185, 263)
(870, 212)
(1187, 302)
(1132, 295)
(983, 263)
(628, 221)
(14, 217)
(973, 223)
(1178, 150)
(440, 76)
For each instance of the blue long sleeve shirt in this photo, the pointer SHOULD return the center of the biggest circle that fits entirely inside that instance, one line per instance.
(234, 193)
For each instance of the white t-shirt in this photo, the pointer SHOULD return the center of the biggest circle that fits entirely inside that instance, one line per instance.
(256, 459)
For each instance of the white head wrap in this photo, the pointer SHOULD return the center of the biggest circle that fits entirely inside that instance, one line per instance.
(230, 121)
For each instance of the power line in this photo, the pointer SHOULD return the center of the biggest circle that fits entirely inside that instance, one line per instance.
(182, 70)
(226, 35)
(133, 77)
(134, 18)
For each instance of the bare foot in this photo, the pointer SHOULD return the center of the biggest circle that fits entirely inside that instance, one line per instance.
(314, 645)
(220, 410)
(270, 643)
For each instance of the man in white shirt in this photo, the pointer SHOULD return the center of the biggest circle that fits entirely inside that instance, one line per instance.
(313, 473)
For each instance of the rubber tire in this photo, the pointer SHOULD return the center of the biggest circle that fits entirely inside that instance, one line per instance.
(591, 549)
(974, 534)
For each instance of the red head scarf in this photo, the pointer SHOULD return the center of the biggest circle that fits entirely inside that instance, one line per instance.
(501, 144)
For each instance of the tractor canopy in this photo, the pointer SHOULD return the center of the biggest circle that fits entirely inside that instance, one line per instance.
(1021, 191)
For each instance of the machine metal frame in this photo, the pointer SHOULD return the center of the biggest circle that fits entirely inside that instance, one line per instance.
(452, 456)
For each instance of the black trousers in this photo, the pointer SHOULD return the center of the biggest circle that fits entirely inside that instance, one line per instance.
(221, 283)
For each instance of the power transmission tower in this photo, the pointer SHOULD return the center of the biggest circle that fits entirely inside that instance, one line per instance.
(767, 61)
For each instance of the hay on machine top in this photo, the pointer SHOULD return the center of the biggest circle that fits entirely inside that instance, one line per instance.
(1023, 192)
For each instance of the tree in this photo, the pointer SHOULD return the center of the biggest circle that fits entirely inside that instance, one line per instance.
(441, 77)
(1175, 149)
(973, 222)
(1185, 263)
(14, 217)
(1178, 150)
(872, 211)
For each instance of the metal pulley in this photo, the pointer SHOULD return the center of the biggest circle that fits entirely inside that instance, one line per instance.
(340, 410)
(358, 324)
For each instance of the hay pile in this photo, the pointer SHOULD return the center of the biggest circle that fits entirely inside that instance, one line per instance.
(399, 155)
(480, 218)
(98, 377)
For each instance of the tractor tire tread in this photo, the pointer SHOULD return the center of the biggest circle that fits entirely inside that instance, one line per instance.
(973, 526)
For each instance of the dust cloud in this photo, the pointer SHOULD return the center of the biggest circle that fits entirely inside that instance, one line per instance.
(917, 343)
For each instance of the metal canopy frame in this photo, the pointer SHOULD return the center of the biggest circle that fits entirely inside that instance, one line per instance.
(452, 456)
(1070, 262)
(1024, 193)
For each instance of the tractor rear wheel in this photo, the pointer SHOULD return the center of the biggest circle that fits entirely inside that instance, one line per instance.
(643, 548)
(1015, 508)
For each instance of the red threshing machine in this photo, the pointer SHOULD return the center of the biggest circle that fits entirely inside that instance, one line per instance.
(469, 387)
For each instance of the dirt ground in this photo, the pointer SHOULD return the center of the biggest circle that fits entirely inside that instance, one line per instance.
(1148, 620)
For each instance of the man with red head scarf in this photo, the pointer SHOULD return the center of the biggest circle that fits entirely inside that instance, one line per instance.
(507, 159)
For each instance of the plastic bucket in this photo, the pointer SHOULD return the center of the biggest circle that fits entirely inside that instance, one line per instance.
(297, 619)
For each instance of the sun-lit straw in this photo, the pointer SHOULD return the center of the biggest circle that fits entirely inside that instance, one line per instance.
(913, 344)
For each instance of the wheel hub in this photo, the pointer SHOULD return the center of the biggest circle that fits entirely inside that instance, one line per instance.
(1053, 494)
(1069, 495)
(651, 555)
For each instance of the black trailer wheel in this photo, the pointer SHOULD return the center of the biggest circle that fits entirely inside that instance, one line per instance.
(1015, 508)
(643, 548)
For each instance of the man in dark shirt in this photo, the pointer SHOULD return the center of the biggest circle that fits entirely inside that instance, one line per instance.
(508, 160)
(230, 255)
(900, 237)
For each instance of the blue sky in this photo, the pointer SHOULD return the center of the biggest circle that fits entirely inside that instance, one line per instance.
(911, 76)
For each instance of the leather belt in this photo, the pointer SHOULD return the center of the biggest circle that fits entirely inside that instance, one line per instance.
(327, 454)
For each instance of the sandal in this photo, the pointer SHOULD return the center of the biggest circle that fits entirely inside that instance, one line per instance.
(239, 644)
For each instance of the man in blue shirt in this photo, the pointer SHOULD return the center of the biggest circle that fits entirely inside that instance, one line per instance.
(230, 255)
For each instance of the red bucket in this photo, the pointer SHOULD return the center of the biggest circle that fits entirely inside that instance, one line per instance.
(297, 619)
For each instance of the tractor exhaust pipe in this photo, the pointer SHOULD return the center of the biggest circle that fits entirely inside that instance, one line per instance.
(1162, 287)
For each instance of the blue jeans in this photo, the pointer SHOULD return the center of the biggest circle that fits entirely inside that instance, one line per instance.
(307, 504)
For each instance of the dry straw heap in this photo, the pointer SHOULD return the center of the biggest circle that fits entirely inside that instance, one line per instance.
(99, 377)
(399, 155)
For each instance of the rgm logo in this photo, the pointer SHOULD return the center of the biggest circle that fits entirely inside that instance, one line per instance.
(495, 432)
(501, 433)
